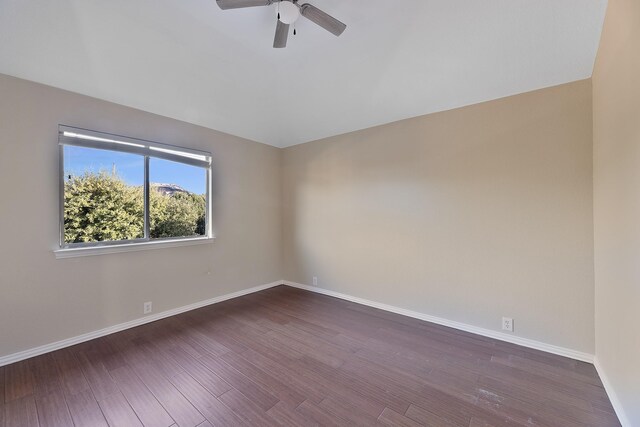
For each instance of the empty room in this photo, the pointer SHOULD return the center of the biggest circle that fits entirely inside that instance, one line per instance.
(335, 213)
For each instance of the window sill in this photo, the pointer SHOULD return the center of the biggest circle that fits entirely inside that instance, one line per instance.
(129, 247)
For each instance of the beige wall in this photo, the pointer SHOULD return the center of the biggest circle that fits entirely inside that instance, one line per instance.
(616, 120)
(470, 214)
(43, 299)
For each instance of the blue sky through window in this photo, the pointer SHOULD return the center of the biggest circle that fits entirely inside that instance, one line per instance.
(130, 167)
(191, 178)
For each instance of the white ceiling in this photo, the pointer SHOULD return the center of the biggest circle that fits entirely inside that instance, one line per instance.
(190, 60)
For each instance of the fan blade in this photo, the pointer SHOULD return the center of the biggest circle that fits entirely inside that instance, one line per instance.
(322, 19)
(282, 32)
(236, 4)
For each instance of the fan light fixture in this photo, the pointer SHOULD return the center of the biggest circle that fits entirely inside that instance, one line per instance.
(288, 12)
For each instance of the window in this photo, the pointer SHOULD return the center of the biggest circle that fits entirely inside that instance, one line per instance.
(118, 191)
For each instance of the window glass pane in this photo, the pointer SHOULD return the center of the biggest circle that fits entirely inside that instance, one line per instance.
(177, 199)
(103, 195)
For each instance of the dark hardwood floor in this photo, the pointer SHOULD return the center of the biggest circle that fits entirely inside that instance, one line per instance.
(290, 357)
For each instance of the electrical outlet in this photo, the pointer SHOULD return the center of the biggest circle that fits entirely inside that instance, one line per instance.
(147, 307)
(507, 324)
(315, 281)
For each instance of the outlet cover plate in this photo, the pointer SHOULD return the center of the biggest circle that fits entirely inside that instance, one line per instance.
(507, 324)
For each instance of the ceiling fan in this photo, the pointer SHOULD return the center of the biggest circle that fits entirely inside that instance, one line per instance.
(288, 12)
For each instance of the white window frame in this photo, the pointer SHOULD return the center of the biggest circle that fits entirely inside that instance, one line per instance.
(72, 136)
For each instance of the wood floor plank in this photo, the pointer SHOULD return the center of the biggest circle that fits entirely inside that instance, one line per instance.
(352, 414)
(52, 410)
(47, 378)
(171, 332)
(278, 366)
(546, 370)
(258, 395)
(316, 352)
(509, 410)
(286, 416)
(252, 338)
(72, 378)
(143, 402)
(478, 422)
(118, 412)
(180, 409)
(278, 389)
(152, 352)
(213, 409)
(210, 381)
(540, 382)
(430, 419)
(395, 364)
(603, 406)
(84, 410)
(225, 339)
(315, 342)
(335, 383)
(391, 418)
(353, 385)
(313, 412)
(108, 353)
(246, 409)
(533, 395)
(573, 414)
(453, 385)
(21, 412)
(197, 337)
(102, 385)
(18, 381)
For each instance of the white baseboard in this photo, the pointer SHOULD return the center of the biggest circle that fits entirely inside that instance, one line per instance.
(16, 357)
(613, 397)
(549, 348)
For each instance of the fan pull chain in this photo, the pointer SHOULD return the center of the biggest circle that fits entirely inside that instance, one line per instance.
(278, 10)
(294, 29)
